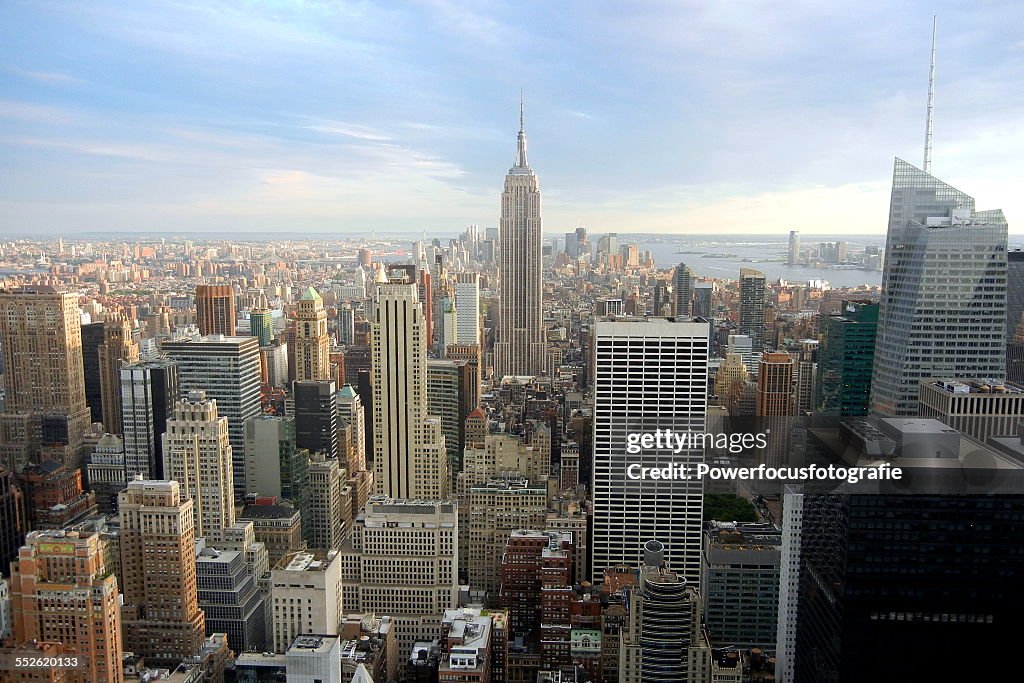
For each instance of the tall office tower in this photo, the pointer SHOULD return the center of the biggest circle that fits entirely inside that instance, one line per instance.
(794, 249)
(449, 391)
(661, 640)
(805, 372)
(789, 582)
(275, 359)
(352, 421)
(446, 333)
(752, 302)
(149, 391)
(891, 574)
(402, 560)
(346, 324)
(702, 300)
(228, 370)
(846, 351)
(312, 342)
(261, 321)
(330, 504)
(929, 323)
(467, 303)
(775, 385)
(92, 338)
(274, 465)
(659, 296)
(647, 376)
(306, 597)
(426, 293)
(197, 455)
(1014, 295)
(471, 354)
(316, 416)
(105, 472)
(520, 347)
(682, 291)
(572, 245)
(739, 583)
(231, 599)
(352, 414)
(118, 349)
(41, 338)
(13, 517)
(215, 309)
(62, 591)
(410, 460)
(160, 615)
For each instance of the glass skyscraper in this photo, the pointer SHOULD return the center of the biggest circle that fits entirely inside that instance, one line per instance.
(943, 306)
(845, 356)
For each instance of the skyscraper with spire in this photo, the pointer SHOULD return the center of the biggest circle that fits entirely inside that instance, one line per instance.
(943, 307)
(520, 347)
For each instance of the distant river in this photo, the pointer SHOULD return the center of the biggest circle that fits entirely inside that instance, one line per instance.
(723, 258)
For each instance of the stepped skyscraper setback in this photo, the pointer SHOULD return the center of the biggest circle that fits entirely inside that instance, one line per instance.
(943, 307)
(520, 347)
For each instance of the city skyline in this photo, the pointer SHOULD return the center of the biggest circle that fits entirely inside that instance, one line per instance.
(188, 121)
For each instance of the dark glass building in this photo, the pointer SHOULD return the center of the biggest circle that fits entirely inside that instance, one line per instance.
(897, 586)
(845, 356)
(316, 417)
(92, 337)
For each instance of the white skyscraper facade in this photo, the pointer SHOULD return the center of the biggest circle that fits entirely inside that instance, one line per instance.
(467, 307)
(409, 449)
(789, 582)
(943, 306)
(520, 346)
(648, 375)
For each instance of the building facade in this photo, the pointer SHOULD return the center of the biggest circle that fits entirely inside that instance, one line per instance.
(943, 306)
(647, 375)
(160, 614)
(410, 459)
(521, 347)
(227, 369)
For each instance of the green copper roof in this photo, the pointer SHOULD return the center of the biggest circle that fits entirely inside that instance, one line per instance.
(347, 391)
(310, 295)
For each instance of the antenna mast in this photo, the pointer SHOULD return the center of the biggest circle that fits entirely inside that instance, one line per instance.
(931, 104)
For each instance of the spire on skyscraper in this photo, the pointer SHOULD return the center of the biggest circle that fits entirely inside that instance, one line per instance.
(521, 156)
(927, 168)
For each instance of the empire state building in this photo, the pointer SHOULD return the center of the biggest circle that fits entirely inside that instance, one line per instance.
(520, 347)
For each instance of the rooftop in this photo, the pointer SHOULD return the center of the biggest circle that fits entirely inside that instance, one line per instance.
(313, 643)
(974, 386)
(256, 512)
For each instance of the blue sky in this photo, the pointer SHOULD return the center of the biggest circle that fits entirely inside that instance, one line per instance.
(651, 116)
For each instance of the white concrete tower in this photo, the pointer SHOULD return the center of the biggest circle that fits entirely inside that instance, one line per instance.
(409, 450)
(648, 375)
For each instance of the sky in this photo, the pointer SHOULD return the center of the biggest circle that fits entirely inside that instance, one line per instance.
(657, 116)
